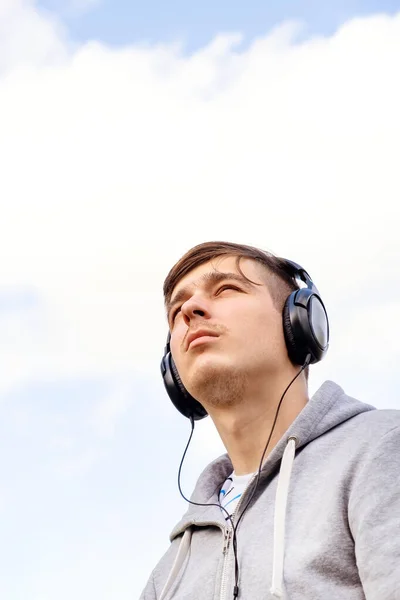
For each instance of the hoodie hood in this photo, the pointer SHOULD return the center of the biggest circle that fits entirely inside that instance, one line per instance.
(326, 409)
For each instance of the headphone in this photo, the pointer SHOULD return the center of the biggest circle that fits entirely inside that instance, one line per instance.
(306, 331)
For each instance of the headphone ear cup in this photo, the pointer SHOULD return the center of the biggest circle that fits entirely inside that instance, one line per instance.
(187, 405)
(178, 380)
(289, 334)
(306, 327)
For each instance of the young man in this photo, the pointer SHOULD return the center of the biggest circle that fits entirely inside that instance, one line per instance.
(306, 502)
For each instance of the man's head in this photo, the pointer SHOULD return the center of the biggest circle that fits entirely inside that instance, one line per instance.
(236, 294)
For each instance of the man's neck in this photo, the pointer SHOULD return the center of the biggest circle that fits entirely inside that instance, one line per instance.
(245, 427)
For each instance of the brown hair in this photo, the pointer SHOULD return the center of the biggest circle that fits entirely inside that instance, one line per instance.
(280, 282)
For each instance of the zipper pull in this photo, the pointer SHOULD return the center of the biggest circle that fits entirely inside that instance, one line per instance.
(227, 539)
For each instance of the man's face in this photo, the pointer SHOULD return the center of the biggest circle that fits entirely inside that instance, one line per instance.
(245, 344)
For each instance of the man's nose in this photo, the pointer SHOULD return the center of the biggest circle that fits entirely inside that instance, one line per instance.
(194, 308)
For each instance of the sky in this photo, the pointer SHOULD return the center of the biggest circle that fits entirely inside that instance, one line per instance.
(128, 134)
(119, 22)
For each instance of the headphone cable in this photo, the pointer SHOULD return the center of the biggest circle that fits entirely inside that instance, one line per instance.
(235, 527)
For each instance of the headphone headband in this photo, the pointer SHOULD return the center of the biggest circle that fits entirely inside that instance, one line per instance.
(301, 274)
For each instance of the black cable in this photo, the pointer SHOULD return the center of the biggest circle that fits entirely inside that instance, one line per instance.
(234, 540)
(179, 478)
(234, 527)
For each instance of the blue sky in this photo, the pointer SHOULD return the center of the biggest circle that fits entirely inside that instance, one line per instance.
(115, 162)
(119, 22)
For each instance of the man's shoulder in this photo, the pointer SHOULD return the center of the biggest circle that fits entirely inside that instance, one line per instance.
(382, 418)
(372, 425)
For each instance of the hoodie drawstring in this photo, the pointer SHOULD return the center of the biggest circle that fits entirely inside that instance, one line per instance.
(178, 562)
(282, 491)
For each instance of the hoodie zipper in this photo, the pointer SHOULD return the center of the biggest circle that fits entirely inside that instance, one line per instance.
(227, 544)
(227, 539)
(225, 551)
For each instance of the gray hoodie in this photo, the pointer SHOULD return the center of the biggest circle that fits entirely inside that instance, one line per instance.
(324, 523)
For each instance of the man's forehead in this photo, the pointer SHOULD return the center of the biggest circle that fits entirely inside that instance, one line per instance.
(223, 264)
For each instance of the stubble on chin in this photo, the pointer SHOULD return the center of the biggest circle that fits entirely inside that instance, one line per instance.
(218, 386)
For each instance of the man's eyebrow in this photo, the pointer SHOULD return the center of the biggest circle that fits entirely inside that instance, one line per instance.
(209, 279)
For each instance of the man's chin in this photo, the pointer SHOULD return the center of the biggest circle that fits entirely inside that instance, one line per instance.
(216, 384)
(208, 368)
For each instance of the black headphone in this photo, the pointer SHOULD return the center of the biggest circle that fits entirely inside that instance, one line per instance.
(306, 330)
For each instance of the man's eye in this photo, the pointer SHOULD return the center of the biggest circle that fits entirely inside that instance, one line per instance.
(175, 313)
(227, 287)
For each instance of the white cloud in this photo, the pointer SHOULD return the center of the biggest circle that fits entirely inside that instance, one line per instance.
(78, 465)
(116, 161)
(28, 36)
(112, 407)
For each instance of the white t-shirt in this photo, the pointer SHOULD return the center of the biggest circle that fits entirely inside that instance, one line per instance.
(231, 491)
